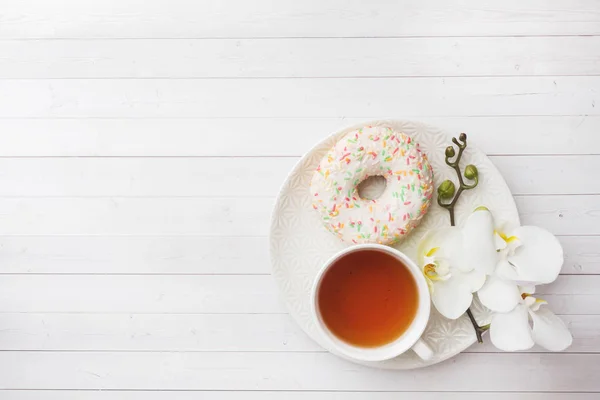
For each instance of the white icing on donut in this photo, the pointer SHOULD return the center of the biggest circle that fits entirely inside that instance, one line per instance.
(371, 151)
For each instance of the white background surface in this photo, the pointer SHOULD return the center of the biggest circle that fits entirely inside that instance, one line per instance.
(142, 144)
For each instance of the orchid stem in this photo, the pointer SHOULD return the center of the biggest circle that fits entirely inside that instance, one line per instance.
(478, 329)
(461, 143)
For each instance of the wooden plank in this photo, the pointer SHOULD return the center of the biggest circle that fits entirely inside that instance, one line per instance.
(188, 255)
(140, 294)
(561, 215)
(276, 395)
(201, 333)
(291, 371)
(153, 332)
(506, 135)
(549, 174)
(246, 177)
(310, 97)
(143, 216)
(184, 19)
(145, 255)
(229, 217)
(222, 58)
(204, 177)
(202, 294)
(582, 254)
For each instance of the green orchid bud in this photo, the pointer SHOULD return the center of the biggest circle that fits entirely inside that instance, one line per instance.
(446, 189)
(471, 172)
(463, 137)
(450, 151)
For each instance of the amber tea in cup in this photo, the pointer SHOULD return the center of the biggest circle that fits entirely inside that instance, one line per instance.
(368, 298)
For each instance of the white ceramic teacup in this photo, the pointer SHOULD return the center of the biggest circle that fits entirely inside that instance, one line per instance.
(410, 339)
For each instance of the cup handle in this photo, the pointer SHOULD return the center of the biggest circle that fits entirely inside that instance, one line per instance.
(423, 350)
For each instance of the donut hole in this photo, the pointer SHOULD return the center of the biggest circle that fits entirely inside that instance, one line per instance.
(372, 187)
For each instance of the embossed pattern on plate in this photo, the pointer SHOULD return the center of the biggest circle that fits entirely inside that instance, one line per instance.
(300, 244)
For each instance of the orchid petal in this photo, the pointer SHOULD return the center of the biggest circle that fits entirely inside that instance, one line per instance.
(511, 331)
(452, 297)
(474, 279)
(506, 271)
(549, 331)
(479, 243)
(454, 252)
(499, 295)
(425, 245)
(540, 257)
(445, 241)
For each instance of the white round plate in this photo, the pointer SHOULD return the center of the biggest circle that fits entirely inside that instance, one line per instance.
(300, 244)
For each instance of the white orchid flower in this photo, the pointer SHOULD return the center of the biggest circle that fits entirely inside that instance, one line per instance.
(528, 255)
(451, 276)
(528, 324)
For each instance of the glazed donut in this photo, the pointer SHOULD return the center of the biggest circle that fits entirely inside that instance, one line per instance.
(372, 151)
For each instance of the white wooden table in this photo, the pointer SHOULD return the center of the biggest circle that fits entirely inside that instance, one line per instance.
(142, 144)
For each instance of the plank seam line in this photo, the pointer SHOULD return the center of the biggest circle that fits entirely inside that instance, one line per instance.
(358, 77)
(518, 354)
(101, 389)
(129, 313)
(190, 235)
(97, 38)
(268, 156)
(195, 235)
(116, 274)
(192, 314)
(260, 352)
(285, 391)
(306, 117)
(266, 196)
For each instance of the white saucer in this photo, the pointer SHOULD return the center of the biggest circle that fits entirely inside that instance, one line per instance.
(300, 244)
